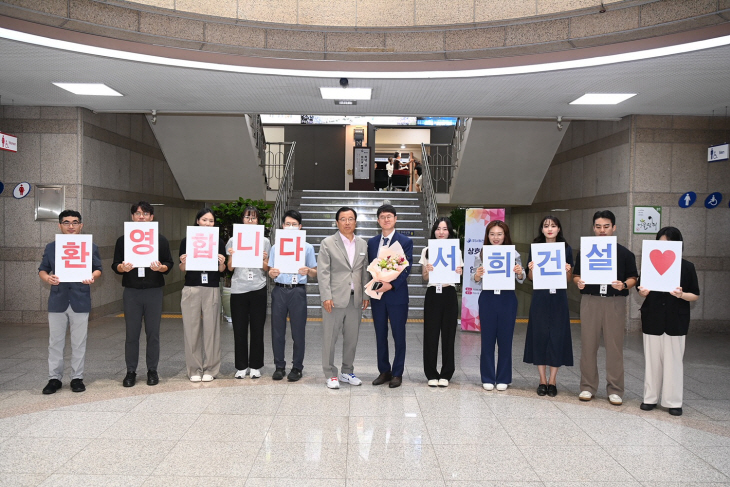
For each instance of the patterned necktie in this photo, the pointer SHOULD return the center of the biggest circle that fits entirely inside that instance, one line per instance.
(385, 241)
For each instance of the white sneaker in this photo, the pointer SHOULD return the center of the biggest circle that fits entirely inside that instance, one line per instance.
(443, 382)
(433, 383)
(350, 379)
(207, 377)
(501, 387)
(615, 399)
(333, 383)
(255, 373)
(488, 387)
(195, 378)
(241, 374)
(585, 396)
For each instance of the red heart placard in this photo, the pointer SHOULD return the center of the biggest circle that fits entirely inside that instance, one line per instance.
(662, 261)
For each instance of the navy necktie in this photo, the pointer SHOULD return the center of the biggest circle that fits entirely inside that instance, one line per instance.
(385, 241)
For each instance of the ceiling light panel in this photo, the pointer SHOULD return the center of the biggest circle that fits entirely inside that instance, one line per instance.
(90, 89)
(602, 98)
(345, 93)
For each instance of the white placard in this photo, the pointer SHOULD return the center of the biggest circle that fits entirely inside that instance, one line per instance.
(598, 259)
(290, 250)
(661, 265)
(201, 248)
(141, 243)
(499, 265)
(445, 256)
(74, 256)
(248, 244)
(548, 270)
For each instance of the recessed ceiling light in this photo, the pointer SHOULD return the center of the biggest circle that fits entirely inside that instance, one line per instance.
(93, 89)
(559, 209)
(602, 98)
(346, 93)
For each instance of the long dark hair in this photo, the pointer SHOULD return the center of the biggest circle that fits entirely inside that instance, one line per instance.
(202, 213)
(436, 224)
(541, 236)
(492, 224)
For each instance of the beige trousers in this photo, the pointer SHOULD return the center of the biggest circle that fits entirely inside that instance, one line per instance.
(664, 370)
(345, 322)
(607, 317)
(202, 336)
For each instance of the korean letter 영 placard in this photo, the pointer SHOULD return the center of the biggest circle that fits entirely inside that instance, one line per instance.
(141, 243)
(73, 258)
(499, 264)
(548, 270)
(445, 256)
(661, 265)
(598, 259)
(290, 251)
(248, 244)
(202, 248)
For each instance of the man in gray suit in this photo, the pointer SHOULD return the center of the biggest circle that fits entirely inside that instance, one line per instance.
(342, 275)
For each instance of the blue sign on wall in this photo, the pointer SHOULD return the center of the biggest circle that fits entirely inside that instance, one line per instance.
(713, 201)
(687, 199)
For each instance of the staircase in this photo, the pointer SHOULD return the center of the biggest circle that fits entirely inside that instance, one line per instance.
(318, 209)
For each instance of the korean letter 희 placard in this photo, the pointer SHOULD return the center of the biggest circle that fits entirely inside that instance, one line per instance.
(498, 263)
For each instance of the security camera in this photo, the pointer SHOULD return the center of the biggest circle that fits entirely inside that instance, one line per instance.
(344, 82)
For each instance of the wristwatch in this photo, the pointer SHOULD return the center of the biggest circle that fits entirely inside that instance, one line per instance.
(625, 286)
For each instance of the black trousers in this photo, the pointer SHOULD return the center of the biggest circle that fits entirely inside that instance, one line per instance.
(440, 313)
(248, 312)
(138, 304)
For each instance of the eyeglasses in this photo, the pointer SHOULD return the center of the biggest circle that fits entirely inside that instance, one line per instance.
(139, 213)
(71, 224)
(250, 219)
(386, 217)
(291, 225)
(346, 220)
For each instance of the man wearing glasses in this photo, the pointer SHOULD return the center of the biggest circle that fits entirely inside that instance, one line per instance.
(142, 299)
(69, 304)
(393, 304)
(342, 275)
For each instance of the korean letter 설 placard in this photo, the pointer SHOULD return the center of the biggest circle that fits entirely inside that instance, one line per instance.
(141, 243)
(598, 259)
(498, 263)
(548, 270)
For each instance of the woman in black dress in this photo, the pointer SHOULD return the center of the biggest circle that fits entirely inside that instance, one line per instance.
(548, 341)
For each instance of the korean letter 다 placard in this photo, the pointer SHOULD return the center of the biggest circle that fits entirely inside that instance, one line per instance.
(202, 248)
(661, 265)
(498, 263)
(598, 259)
(548, 270)
(73, 258)
(290, 250)
(141, 243)
(248, 244)
(444, 255)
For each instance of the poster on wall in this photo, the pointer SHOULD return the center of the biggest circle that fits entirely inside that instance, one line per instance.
(476, 222)
(647, 219)
(361, 162)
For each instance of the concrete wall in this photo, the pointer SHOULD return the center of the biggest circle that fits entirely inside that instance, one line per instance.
(106, 162)
(640, 161)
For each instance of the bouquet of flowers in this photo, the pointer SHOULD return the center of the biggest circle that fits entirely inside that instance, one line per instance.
(391, 261)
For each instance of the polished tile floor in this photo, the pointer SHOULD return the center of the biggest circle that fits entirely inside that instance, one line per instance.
(262, 433)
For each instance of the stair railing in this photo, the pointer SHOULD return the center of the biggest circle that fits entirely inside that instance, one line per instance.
(429, 195)
(286, 187)
(444, 158)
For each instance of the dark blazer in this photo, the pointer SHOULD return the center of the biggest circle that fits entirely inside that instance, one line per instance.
(663, 313)
(65, 293)
(399, 293)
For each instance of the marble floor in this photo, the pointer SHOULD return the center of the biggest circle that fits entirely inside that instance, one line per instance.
(263, 433)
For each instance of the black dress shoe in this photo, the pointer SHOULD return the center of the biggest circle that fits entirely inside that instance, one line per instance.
(647, 407)
(552, 390)
(382, 378)
(294, 375)
(129, 379)
(52, 386)
(395, 382)
(675, 411)
(279, 374)
(77, 385)
(542, 389)
(152, 378)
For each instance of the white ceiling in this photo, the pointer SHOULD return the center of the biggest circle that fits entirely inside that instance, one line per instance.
(684, 84)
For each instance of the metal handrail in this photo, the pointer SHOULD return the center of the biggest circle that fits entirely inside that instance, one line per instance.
(286, 187)
(444, 158)
(429, 195)
(274, 163)
(257, 131)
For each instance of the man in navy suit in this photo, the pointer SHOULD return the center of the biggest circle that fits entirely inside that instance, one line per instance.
(393, 303)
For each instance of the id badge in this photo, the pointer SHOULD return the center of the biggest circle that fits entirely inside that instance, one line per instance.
(140, 271)
(294, 279)
(439, 288)
(497, 291)
(204, 278)
(552, 291)
(604, 288)
(250, 275)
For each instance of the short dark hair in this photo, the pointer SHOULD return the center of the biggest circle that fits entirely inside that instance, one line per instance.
(386, 209)
(605, 214)
(345, 209)
(202, 213)
(292, 214)
(505, 229)
(66, 213)
(146, 207)
(672, 233)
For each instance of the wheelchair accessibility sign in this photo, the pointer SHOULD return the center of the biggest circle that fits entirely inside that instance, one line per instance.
(713, 201)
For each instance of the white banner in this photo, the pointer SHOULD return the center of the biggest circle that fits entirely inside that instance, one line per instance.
(290, 252)
(74, 256)
(445, 256)
(202, 248)
(141, 246)
(548, 270)
(499, 264)
(248, 246)
(661, 265)
(598, 259)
